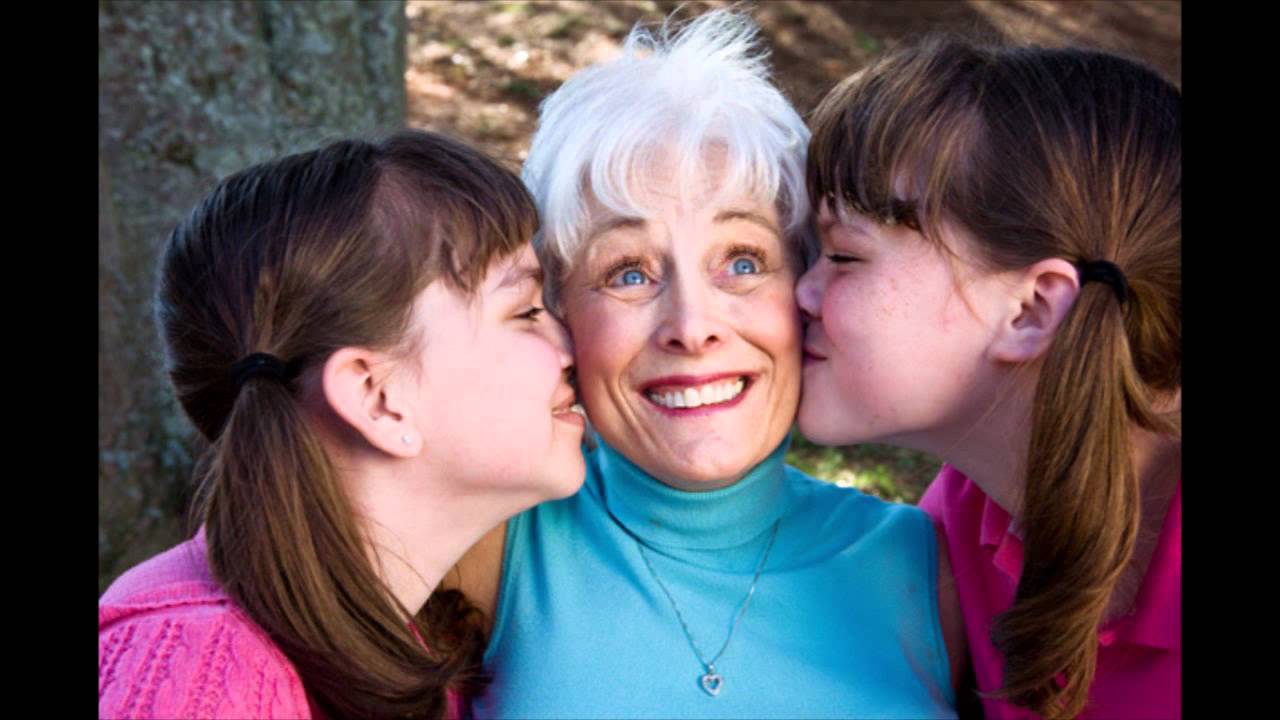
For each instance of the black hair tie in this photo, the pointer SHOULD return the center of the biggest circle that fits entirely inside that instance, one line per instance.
(1104, 272)
(261, 364)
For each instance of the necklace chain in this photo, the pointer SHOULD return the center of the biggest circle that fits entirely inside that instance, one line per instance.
(711, 681)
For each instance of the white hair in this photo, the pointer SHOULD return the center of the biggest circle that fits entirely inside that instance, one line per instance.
(704, 85)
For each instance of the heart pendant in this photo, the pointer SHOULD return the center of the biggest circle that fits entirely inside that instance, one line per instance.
(711, 682)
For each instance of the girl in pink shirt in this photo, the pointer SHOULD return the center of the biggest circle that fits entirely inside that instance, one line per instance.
(999, 285)
(357, 333)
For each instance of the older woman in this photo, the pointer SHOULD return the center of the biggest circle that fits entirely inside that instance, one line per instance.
(695, 574)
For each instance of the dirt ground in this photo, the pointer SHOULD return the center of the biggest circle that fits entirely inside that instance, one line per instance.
(479, 69)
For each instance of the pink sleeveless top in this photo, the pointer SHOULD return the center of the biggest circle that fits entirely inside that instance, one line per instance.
(172, 644)
(1139, 672)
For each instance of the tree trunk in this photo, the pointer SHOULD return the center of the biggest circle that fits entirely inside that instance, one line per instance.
(188, 93)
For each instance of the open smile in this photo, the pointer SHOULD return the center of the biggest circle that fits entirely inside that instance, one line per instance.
(683, 395)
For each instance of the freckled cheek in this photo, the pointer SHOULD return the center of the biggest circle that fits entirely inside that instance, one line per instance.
(845, 316)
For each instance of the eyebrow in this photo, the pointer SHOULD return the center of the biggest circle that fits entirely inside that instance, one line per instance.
(752, 217)
(615, 223)
(521, 274)
(834, 221)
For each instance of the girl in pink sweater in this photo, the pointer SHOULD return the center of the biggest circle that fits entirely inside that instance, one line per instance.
(1000, 286)
(357, 333)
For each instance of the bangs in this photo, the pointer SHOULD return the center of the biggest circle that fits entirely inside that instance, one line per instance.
(455, 210)
(673, 96)
(704, 151)
(892, 141)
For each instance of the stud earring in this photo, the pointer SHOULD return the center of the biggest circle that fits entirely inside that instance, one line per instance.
(408, 440)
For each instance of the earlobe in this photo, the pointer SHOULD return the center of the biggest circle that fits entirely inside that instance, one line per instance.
(1045, 292)
(368, 401)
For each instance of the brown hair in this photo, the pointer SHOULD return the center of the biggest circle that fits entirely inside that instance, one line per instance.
(1041, 153)
(298, 258)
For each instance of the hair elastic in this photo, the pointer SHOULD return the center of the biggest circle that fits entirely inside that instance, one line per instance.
(1104, 272)
(257, 364)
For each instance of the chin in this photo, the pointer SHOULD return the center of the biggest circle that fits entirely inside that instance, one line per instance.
(568, 476)
(706, 476)
(822, 432)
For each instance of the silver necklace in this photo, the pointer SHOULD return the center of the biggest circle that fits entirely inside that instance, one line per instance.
(711, 681)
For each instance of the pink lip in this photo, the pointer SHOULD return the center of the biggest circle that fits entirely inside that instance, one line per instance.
(676, 381)
(573, 418)
(811, 355)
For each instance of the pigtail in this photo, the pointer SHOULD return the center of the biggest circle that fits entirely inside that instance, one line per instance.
(271, 484)
(1080, 510)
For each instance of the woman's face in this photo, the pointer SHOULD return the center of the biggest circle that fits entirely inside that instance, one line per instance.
(893, 351)
(495, 402)
(686, 332)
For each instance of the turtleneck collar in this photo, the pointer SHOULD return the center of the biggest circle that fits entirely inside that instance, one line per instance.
(663, 516)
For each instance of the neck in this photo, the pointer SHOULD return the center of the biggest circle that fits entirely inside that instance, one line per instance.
(989, 444)
(991, 450)
(661, 515)
(419, 526)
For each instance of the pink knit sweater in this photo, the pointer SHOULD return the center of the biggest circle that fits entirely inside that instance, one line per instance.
(172, 644)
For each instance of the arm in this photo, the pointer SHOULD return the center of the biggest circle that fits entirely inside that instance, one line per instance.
(190, 663)
(952, 621)
(478, 573)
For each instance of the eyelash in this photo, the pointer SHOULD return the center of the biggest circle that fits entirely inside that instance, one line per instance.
(532, 313)
(739, 251)
(615, 271)
(842, 259)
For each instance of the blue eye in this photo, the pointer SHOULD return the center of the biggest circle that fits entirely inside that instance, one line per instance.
(744, 266)
(632, 277)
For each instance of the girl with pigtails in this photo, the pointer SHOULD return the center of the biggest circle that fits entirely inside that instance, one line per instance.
(340, 328)
(999, 285)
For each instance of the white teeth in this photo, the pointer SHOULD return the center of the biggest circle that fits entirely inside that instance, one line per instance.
(709, 394)
(577, 408)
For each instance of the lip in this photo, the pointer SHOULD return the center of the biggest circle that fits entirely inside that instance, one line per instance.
(562, 409)
(563, 400)
(694, 381)
(570, 417)
(812, 356)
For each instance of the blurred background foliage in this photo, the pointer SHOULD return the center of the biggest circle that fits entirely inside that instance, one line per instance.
(189, 92)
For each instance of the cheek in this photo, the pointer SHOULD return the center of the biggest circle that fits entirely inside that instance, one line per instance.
(770, 319)
(604, 339)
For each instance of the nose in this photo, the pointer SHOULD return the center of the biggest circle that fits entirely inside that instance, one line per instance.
(558, 335)
(692, 318)
(809, 291)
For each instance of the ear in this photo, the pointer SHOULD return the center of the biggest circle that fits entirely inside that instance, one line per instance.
(360, 387)
(1043, 294)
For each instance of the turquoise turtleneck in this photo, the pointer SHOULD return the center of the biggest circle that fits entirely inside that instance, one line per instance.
(843, 621)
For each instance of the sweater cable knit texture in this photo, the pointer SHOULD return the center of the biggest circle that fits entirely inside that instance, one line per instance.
(171, 643)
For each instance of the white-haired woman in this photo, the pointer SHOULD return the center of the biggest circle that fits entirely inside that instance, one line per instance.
(696, 574)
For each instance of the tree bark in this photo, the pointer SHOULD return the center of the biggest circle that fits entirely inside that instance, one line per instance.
(188, 93)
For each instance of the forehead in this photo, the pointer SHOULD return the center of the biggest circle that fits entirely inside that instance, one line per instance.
(518, 272)
(664, 185)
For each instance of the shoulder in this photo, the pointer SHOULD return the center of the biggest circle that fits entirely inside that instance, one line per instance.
(177, 573)
(950, 496)
(170, 645)
(851, 508)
